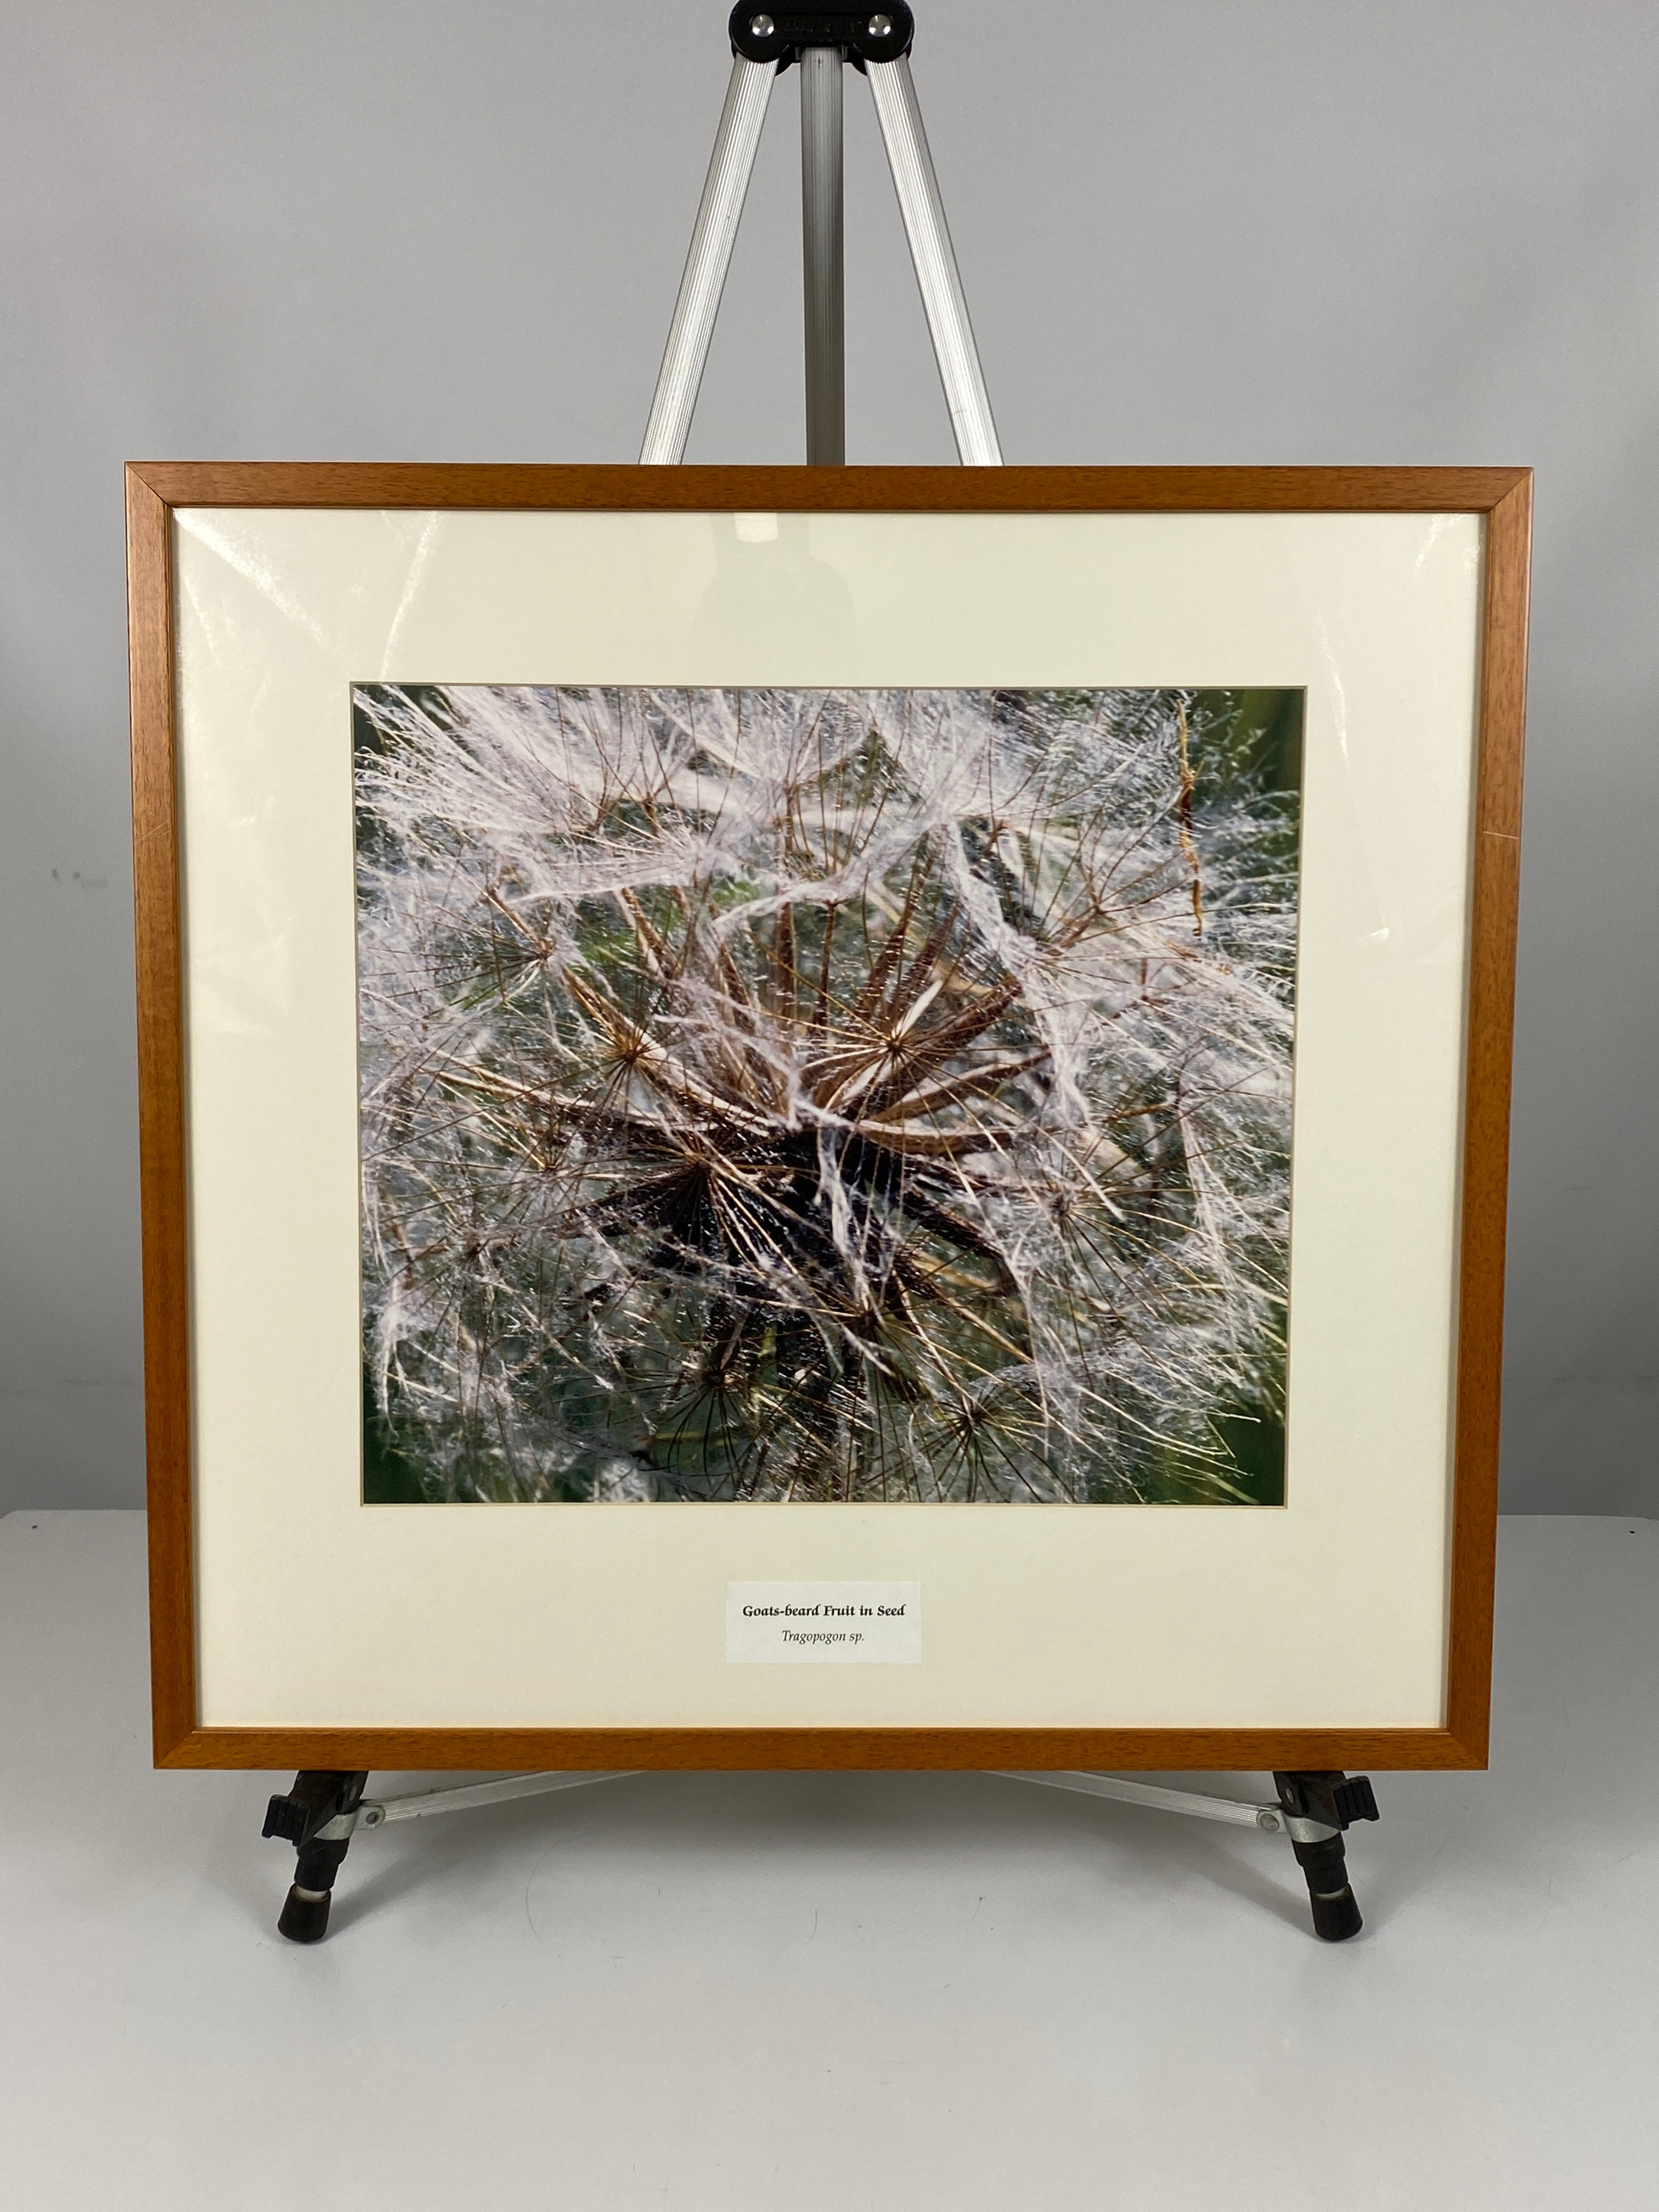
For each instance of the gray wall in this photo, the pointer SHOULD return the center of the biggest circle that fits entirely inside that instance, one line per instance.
(1205, 230)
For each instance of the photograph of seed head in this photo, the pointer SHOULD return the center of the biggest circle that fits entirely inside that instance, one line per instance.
(797, 1095)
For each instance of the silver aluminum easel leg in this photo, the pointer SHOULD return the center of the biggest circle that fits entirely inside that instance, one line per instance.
(736, 142)
(899, 114)
(783, 40)
(823, 256)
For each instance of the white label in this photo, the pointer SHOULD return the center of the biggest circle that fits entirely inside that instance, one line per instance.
(824, 1624)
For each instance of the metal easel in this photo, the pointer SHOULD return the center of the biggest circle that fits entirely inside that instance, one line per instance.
(324, 1810)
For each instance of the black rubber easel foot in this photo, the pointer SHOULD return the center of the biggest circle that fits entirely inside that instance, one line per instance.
(316, 1816)
(1317, 1807)
(1336, 1917)
(304, 1916)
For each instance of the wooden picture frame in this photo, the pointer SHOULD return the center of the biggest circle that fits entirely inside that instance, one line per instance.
(157, 492)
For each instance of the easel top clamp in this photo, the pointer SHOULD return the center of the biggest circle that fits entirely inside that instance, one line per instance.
(765, 43)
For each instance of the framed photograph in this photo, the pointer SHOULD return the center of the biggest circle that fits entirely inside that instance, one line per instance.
(824, 1117)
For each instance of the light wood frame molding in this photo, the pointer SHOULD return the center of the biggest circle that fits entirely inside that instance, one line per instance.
(1503, 498)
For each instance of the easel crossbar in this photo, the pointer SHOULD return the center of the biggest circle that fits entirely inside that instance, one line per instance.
(374, 1813)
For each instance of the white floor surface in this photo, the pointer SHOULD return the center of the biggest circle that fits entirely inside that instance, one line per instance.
(832, 1993)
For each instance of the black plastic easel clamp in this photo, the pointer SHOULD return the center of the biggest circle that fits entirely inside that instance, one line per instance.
(316, 1799)
(880, 32)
